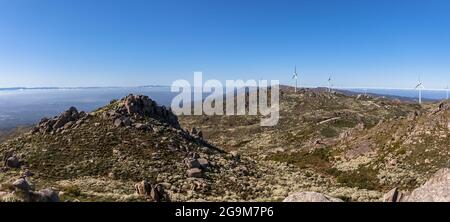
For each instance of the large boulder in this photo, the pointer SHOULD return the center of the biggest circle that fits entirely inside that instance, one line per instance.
(156, 192)
(436, 189)
(194, 172)
(192, 163)
(22, 184)
(45, 195)
(203, 163)
(394, 195)
(310, 197)
(12, 162)
(143, 188)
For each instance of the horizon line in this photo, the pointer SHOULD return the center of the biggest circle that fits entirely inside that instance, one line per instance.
(163, 86)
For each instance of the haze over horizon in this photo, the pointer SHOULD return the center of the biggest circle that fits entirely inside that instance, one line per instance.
(373, 44)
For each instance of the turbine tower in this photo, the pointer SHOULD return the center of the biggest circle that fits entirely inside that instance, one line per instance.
(420, 86)
(329, 83)
(295, 76)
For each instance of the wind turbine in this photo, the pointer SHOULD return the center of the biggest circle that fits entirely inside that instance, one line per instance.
(295, 76)
(329, 83)
(420, 86)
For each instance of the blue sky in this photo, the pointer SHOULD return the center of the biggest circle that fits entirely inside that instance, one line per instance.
(362, 43)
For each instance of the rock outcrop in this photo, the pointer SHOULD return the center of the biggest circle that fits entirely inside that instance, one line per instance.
(134, 108)
(436, 189)
(129, 111)
(66, 120)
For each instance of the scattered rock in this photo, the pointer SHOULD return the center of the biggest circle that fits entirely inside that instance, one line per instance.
(118, 122)
(68, 125)
(203, 163)
(126, 121)
(234, 154)
(139, 126)
(193, 155)
(158, 193)
(197, 133)
(27, 173)
(45, 195)
(22, 185)
(192, 163)
(195, 172)
(12, 162)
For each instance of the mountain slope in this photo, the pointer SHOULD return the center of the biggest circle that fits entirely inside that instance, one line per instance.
(101, 155)
(313, 127)
(403, 152)
(354, 148)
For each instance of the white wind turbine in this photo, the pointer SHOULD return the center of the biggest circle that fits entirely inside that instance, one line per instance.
(295, 76)
(329, 83)
(420, 87)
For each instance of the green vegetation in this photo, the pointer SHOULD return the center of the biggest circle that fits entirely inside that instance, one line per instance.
(363, 178)
(317, 159)
(328, 132)
(345, 123)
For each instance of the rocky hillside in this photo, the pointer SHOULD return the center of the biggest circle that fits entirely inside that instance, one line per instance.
(359, 146)
(129, 150)
(326, 147)
(403, 152)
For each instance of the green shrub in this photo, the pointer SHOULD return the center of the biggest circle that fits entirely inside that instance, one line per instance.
(328, 132)
(363, 178)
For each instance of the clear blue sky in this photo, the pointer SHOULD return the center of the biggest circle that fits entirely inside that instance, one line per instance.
(363, 43)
